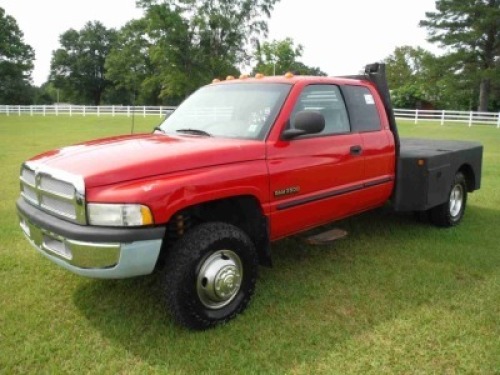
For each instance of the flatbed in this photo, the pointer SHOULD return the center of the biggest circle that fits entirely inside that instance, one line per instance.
(426, 169)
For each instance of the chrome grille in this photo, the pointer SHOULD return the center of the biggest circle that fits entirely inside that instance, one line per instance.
(54, 191)
(29, 193)
(47, 183)
(28, 176)
(65, 208)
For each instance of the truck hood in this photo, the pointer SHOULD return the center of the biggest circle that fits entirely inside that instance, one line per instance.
(125, 158)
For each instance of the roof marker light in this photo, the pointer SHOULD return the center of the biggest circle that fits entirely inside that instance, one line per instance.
(259, 75)
(244, 76)
(289, 75)
(215, 80)
(229, 78)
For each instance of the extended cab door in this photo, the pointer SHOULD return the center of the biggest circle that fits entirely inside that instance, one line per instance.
(317, 178)
(368, 119)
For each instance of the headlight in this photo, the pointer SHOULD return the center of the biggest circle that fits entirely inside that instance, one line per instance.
(119, 215)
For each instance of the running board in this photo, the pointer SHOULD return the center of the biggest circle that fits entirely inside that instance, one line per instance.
(327, 237)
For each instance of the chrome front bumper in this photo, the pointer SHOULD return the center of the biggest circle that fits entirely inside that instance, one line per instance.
(91, 251)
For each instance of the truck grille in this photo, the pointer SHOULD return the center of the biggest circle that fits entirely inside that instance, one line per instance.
(53, 191)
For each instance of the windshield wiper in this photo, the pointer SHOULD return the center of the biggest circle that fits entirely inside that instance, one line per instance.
(194, 131)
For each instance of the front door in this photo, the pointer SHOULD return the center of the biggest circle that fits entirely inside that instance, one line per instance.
(317, 178)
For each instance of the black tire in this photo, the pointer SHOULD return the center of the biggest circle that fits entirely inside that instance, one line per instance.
(202, 273)
(452, 211)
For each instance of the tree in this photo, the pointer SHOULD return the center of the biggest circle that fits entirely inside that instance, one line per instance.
(471, 29)
(78, 67)
(16, 63)
(45, 94)
(194, 41)
(416, 76)
(130, 68)
(411, 76)
(281, 56)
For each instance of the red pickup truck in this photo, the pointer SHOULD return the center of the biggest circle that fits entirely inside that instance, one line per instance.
(239, 164)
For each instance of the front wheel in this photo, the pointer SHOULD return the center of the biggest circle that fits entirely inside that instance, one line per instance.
(210, 275)
(452, 211)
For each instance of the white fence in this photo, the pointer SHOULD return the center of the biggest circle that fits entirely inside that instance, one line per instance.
(84, 110)
(441, 116)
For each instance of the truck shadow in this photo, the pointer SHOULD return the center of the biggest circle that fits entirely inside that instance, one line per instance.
(315, 297)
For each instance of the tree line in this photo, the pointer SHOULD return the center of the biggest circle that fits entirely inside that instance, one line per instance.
(179, 45)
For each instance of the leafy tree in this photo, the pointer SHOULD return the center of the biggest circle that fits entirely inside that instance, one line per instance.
(416, 76)
(45, 94)
(174, 53)
(16, 63)
(130, 68)
(78, 67)
(411, 76)
(193, 41)
(281, 56)
(471, 29)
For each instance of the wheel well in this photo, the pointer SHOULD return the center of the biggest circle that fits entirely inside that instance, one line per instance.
(470, 178)
(242, 211)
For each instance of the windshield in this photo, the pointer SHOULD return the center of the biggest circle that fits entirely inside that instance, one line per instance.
(240, 110)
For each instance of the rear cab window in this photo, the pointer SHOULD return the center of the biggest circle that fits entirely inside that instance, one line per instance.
(363, 113)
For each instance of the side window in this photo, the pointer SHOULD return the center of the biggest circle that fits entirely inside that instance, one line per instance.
(327, 100)
(362, 109)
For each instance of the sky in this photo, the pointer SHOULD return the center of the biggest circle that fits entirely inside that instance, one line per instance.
(338, 37)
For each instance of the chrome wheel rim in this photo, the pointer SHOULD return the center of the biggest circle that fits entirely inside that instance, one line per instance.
(219, 279)
(456, 200)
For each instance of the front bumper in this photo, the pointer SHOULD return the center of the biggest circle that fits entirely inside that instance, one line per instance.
(91, 251)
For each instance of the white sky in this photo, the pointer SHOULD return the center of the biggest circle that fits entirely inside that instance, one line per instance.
(338, 37)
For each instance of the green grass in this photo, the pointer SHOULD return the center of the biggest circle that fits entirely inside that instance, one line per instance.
(395, 296)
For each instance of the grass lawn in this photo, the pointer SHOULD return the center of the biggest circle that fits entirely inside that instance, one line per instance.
(395, 296)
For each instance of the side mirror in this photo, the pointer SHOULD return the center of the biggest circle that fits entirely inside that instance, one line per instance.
(306, 122)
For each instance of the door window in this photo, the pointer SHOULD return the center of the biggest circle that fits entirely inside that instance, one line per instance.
(327, 100)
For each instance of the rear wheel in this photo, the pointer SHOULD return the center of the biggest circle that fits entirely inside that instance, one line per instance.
(452, 211)
(210, 275)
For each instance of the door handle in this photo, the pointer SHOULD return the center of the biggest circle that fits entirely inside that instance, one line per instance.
(356, 150)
